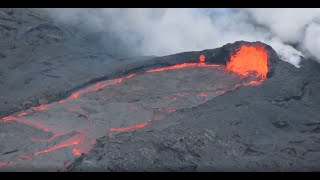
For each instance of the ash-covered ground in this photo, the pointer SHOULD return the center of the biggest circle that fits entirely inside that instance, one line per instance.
(63, 95)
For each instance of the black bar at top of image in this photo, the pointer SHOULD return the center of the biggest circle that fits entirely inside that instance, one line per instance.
(155, 3)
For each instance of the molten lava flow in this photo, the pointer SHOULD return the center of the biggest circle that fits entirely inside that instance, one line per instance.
(77, 141)
(40, 108)
(98, 86)
(26, 121)
(70, 142)
(181, 66)
(144, 124)
(131, 128)
(8, 118)
(74, 141)
(201, 63)
(249, 61)
(4, 164)
(202, 59)
(203, 95)
(22, 114)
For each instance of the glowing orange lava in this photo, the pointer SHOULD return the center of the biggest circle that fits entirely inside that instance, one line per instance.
(70, 142)
(26, 121)
(8, 118)
(74, 141)
(203, 95)
(97, 87)
(201, 63)
(202, 59)
(144, 124)
(77, 141)
(249, 60)
(131, 128)
(22, 114)
(181, 66)
(40, 108)
(4, 164)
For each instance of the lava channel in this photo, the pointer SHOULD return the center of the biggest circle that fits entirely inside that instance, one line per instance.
(249, 61)
(4, 164)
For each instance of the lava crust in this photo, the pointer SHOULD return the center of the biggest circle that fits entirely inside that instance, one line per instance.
(270, 127)
(67, 128)
(71, 104)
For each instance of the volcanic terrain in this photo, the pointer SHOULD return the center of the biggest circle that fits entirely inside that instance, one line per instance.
(70, 105)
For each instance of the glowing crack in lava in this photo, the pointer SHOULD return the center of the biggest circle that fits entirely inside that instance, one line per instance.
(202, 59)
(249, 61)
(132, 128)
(74, 141)
(184, 65)
(4, 164)
(201, 63)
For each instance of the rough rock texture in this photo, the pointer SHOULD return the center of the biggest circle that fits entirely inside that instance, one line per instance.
(271, 127)
(44, 59)
(59, 132)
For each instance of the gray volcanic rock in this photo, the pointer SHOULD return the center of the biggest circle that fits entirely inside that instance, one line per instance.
(271, 127)
(71, 127)
(44, 59)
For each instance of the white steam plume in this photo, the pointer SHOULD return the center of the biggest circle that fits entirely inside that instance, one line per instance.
(168, 31)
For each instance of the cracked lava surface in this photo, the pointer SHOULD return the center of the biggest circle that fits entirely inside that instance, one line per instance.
(51, 136)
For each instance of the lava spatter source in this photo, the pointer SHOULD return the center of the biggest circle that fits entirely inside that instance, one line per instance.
(202, 59)
(248, 61)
